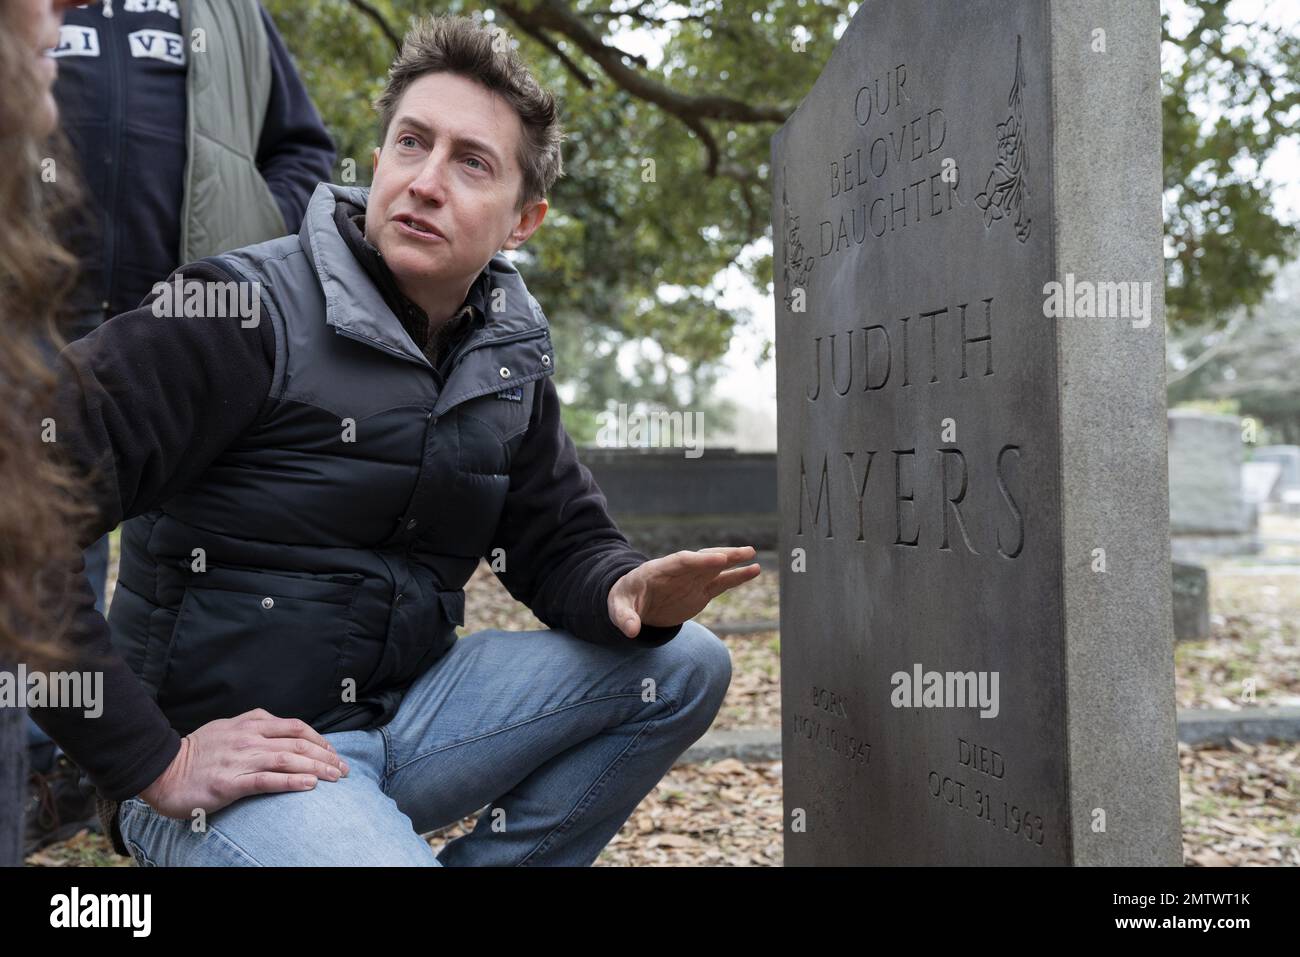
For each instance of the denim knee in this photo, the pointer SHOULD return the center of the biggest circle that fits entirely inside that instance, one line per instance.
(709, 662)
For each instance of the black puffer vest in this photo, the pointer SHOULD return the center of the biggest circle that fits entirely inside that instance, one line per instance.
(338, 532)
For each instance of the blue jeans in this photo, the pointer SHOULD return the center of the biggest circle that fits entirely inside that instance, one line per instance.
(562, 738)
(42, 752)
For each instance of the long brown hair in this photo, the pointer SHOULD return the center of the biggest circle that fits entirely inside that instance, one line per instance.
(40, 510)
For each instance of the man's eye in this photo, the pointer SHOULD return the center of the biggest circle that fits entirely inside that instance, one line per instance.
(403, 139)
(475, 159)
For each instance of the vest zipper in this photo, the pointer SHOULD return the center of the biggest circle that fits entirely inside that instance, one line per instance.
(424, 361)
(116, 69)
(514, 337)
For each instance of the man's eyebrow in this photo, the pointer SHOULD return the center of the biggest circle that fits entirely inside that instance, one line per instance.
(422, 127)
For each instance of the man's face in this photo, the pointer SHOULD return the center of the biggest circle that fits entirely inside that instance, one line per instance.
(442, 201)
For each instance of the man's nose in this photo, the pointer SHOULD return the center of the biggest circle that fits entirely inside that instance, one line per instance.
(430, 184)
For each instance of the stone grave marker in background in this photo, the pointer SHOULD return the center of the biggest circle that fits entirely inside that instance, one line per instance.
(1261, 482)
(1191, 589)
(1288, 458)
(1208, 510)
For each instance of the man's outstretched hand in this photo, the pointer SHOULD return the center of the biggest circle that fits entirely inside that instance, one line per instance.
(670, 590)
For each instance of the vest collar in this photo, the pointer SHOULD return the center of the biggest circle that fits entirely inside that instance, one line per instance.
(355, 307)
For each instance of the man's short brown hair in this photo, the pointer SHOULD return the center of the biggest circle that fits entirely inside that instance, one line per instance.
(465, 46)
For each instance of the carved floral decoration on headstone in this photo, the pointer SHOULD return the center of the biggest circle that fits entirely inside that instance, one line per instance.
(1007, 187)
(796, 262)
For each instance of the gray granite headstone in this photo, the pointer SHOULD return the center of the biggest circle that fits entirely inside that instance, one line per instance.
(1191, 585)
(1287, 456)
(1261, 482)
(1205, 494)
(970, 488)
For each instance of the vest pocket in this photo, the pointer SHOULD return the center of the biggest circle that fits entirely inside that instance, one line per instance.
(247, 639)
(421, 629)
(453, 606)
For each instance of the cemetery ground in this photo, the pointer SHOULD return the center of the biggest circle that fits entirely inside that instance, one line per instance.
(1240, 803)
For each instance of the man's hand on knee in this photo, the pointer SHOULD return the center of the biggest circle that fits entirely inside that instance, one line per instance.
(232, 758)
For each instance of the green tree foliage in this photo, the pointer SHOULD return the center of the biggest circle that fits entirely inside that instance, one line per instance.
(1232, 94)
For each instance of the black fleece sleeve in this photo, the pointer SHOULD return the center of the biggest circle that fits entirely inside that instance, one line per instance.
(295, 152)
(563, 552)
(146, 403)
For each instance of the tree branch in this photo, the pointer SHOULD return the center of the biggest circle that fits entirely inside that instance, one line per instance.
(578, 73)
(1225, 337)
(393, 37)
(555, 16)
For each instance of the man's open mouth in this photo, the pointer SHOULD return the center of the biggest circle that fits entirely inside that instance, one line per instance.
(418, 226)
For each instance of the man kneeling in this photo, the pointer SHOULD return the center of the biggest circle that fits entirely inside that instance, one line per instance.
(306, 486)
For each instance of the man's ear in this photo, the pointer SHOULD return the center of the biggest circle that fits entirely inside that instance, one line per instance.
(374, 164)
(529, 219)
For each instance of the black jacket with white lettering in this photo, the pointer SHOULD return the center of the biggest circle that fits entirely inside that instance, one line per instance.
(121, 93)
